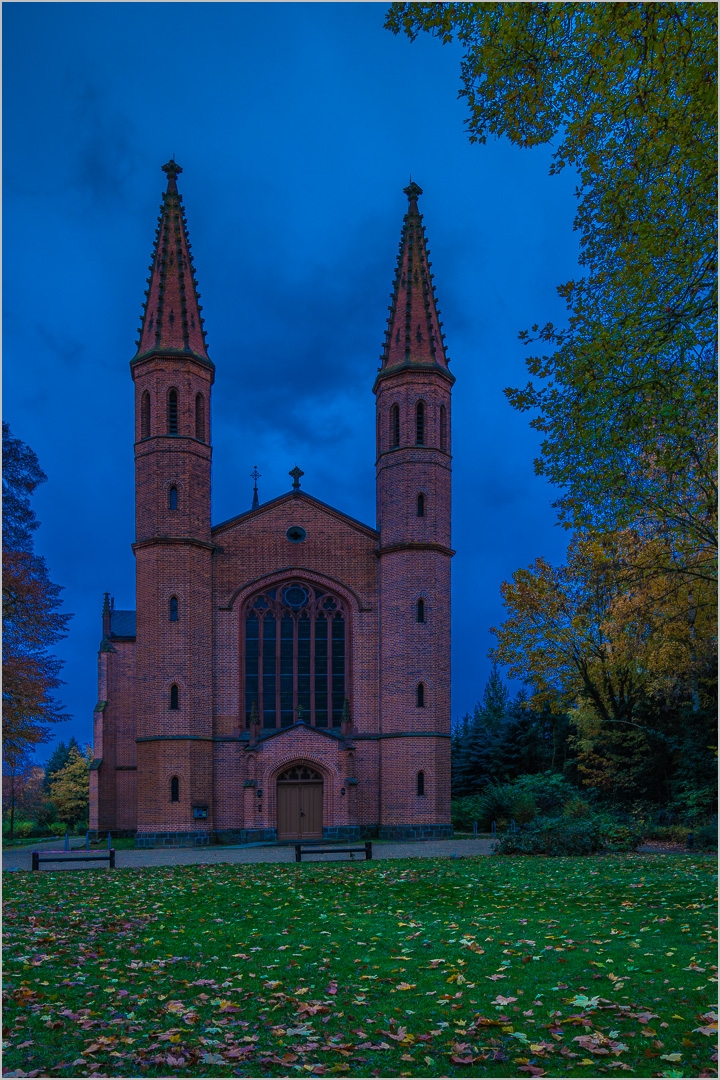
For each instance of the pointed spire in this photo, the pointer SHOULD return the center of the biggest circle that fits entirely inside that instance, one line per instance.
(414, 332)
(171, 319)
(256, 476)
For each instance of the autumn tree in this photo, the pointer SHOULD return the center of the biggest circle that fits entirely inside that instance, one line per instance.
(70, 787)
(31, 621)
(624, 394)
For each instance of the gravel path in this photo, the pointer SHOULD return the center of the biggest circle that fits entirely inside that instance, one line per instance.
(19, 858)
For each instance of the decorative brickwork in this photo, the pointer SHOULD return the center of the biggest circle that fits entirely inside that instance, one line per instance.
(348, 691)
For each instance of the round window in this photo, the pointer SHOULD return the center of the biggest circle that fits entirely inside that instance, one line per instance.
(295, 596)
(295, 534)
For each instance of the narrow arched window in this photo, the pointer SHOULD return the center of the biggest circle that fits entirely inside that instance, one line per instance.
(145, 416)
(420, 611)
(174, 790)
(394, 427)
(172, 413)
(173, 498)
(443, 428)
(420, 695)
(421, 783)
(174, 696)
(421, 505)
(420, 424)
(174, 609)
(200, 418)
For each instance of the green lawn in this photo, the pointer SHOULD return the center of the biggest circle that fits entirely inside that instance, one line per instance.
(432, 967)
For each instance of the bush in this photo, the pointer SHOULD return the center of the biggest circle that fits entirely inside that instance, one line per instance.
(465, 811)
(706, 837)
(675, 834)
(58, 828)
(570, 836)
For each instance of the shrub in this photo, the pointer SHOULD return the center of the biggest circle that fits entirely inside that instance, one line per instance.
(465, 811)
(706, 836)
(570, 836)
(675, 834)
(58, 828)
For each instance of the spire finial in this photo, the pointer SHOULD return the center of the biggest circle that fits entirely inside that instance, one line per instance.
(296, 474)
(256, 476)
(413, 190)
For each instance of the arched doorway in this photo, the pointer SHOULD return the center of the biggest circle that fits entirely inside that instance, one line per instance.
(300, 804)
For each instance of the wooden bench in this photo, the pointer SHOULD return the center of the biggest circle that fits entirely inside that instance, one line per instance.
(76, 855)
(311, 849)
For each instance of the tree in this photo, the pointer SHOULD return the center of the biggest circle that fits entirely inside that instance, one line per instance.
(627, 94)
(631, 658)
(58, 759)
(70, 788)
(31, 622)
(17, 774)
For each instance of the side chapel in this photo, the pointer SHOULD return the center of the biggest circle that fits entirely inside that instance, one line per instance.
(286, 673)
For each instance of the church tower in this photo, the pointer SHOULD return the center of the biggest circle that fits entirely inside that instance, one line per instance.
(413, 389)
(173, 376)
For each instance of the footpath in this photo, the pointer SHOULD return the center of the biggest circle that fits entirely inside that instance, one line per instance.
(20, 858)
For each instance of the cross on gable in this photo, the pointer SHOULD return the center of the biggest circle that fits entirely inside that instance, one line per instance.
(296, 474)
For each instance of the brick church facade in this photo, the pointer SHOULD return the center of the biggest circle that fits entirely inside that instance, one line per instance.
(286, 674)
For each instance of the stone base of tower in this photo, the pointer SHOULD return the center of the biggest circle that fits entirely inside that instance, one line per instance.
(415, 832)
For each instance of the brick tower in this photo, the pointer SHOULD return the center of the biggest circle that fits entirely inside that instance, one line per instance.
(173, 377)
(412, 391)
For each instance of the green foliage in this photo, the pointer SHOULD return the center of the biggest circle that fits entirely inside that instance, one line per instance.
(567, 835)
(412, 966)
(706, 836)
(58, 828)
(676, 834)
(625, 399)
(59, 759)
(521, 800)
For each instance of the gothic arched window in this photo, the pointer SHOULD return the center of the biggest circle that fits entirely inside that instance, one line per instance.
(173, 498)
(421, 783)
(200, 418)
(295, 656)
(421, 505)
(420, 611)
(174, 696)
(443, 428)
(145, 416)
(174, 790)
(420, 695)
(174, 609)
(394, 427)
(172, 412)
(420, 424)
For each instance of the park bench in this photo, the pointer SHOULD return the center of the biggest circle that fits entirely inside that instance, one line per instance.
(311, 849)
(76, 855)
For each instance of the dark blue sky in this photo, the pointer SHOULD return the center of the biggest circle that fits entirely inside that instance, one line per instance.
(297, 126)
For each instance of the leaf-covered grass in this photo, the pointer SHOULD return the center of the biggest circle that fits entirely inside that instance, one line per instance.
(472, 967)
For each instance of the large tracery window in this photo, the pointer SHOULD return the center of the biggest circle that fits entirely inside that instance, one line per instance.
(295, 656)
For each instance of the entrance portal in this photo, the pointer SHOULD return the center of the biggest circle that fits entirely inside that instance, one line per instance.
(300, 804)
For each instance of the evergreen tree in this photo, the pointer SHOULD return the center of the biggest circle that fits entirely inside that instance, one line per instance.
(70, 787)
(59, 759)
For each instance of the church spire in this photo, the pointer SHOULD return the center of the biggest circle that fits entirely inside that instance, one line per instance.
(414, 330)
(171, 319)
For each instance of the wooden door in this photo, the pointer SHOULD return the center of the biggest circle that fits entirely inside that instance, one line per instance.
(299, 814)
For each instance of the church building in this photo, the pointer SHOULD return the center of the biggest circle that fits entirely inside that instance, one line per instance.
(286, 673)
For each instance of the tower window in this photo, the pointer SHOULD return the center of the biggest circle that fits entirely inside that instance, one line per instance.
(174, 790)
(420, 611)
(145, 416)
(420, 424)
(172, 414)
(173, 498)
(443, 428)
(174, 696)
(420, 695)
(174, 609)
(200, 418)
(421, 505)
(421, 783)
(394, 427)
